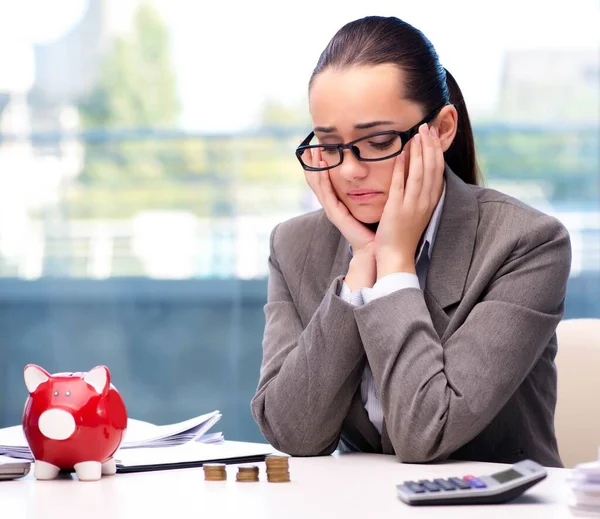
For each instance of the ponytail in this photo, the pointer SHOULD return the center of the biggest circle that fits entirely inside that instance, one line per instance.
(374, 40)
(460, 156)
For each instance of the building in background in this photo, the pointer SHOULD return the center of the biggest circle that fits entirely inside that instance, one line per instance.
(67, 68)
(550, 86)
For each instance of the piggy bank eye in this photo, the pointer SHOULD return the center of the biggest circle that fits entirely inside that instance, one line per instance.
(55, 393)
(67, 393)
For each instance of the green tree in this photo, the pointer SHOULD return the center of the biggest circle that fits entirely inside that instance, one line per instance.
(135, 89)
(136, 84)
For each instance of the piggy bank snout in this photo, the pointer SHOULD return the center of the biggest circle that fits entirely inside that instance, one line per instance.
(56, 424)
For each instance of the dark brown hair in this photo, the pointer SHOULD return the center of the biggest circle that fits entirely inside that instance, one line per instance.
(376, 40)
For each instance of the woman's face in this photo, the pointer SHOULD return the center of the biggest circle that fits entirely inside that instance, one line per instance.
(352, 103)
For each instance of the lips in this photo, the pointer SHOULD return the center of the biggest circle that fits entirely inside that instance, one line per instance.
(362, 195)
(361, 192)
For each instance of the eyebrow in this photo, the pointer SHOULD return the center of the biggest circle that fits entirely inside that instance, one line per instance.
(360, 126)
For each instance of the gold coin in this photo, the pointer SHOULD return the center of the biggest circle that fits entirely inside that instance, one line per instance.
(277, 461)
(248, 468)
(214, 472)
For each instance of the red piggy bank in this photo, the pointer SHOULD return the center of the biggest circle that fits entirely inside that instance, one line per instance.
(73, 421)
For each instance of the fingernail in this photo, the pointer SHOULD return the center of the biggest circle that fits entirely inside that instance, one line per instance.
(425, 129)
(433, 131)
(417, 139)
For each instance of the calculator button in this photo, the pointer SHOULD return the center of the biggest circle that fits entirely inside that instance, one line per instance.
(414, 487)
(445, 485)
(430, 485)
(476, 483)
(463, 485)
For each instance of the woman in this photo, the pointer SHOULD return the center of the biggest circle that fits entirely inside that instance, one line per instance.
(415, 314)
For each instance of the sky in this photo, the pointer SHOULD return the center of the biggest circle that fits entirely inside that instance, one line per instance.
(231, 57)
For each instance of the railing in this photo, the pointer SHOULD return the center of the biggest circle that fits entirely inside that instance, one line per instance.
(170, 204)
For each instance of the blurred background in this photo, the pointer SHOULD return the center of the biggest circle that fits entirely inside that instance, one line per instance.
(146, 152)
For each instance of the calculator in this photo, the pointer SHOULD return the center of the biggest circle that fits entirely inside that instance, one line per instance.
(499, 487)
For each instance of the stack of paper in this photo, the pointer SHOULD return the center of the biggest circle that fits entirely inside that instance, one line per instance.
(584, 482)
(138, 434)
(144, 434)
(14, 444)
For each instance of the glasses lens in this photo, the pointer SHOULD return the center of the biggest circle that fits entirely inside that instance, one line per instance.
(329, 155)
(379, 147)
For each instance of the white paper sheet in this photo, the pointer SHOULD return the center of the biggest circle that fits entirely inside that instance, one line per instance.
(139, 434)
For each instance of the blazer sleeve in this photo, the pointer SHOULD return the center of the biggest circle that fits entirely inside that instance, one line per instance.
(309, 374)
(435, 399)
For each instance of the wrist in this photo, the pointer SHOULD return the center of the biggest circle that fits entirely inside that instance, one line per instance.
(362, 270)
(391, 264)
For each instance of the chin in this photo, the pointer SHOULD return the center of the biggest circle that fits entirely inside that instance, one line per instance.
(367, 217)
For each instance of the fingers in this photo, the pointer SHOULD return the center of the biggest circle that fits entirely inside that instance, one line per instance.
(426, 168)
(325, 183)
(328, 199)
(397, 184)
(439, 165)
(313, 178)
(429, 164)
(414, 182)
(323, 176)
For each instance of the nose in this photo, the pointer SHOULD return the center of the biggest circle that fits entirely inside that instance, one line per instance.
(351, 168)
(56, 424)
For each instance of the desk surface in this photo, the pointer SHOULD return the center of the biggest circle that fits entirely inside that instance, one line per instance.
(345, 485)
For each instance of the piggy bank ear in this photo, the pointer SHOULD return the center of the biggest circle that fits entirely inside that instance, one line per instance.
(34, 376)
(98, 378)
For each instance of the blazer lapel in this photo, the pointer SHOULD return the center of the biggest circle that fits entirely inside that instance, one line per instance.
(329, 257)
(452, 250)
(450, 259)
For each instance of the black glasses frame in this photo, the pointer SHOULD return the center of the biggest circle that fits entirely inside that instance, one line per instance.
(405, 136)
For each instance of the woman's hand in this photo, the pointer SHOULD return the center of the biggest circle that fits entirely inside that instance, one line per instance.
(410, 204)
(357, 234)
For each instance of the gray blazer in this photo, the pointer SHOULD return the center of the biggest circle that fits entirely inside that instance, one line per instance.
(464, 369)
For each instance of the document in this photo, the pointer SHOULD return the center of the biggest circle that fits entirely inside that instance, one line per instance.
(191, 454)
(144, 434)
(139, 434)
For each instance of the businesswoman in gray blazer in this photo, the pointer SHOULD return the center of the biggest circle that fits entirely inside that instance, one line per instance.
(415, 314)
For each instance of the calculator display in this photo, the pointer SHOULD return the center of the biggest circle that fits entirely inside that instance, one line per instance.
(507, 475)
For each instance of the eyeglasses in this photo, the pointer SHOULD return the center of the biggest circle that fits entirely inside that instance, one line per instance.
(372, 148)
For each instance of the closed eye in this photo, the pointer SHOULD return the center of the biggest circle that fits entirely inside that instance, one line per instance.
(383, 145)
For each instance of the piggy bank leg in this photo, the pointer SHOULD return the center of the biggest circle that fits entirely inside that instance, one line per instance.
(109, 467)
(88, 470)
(44, 470)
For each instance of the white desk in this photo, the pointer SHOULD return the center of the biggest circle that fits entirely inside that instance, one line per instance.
(338, 486)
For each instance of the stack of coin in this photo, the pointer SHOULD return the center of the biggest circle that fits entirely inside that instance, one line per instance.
(247, 473)
(214, 472)
(277, 469)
